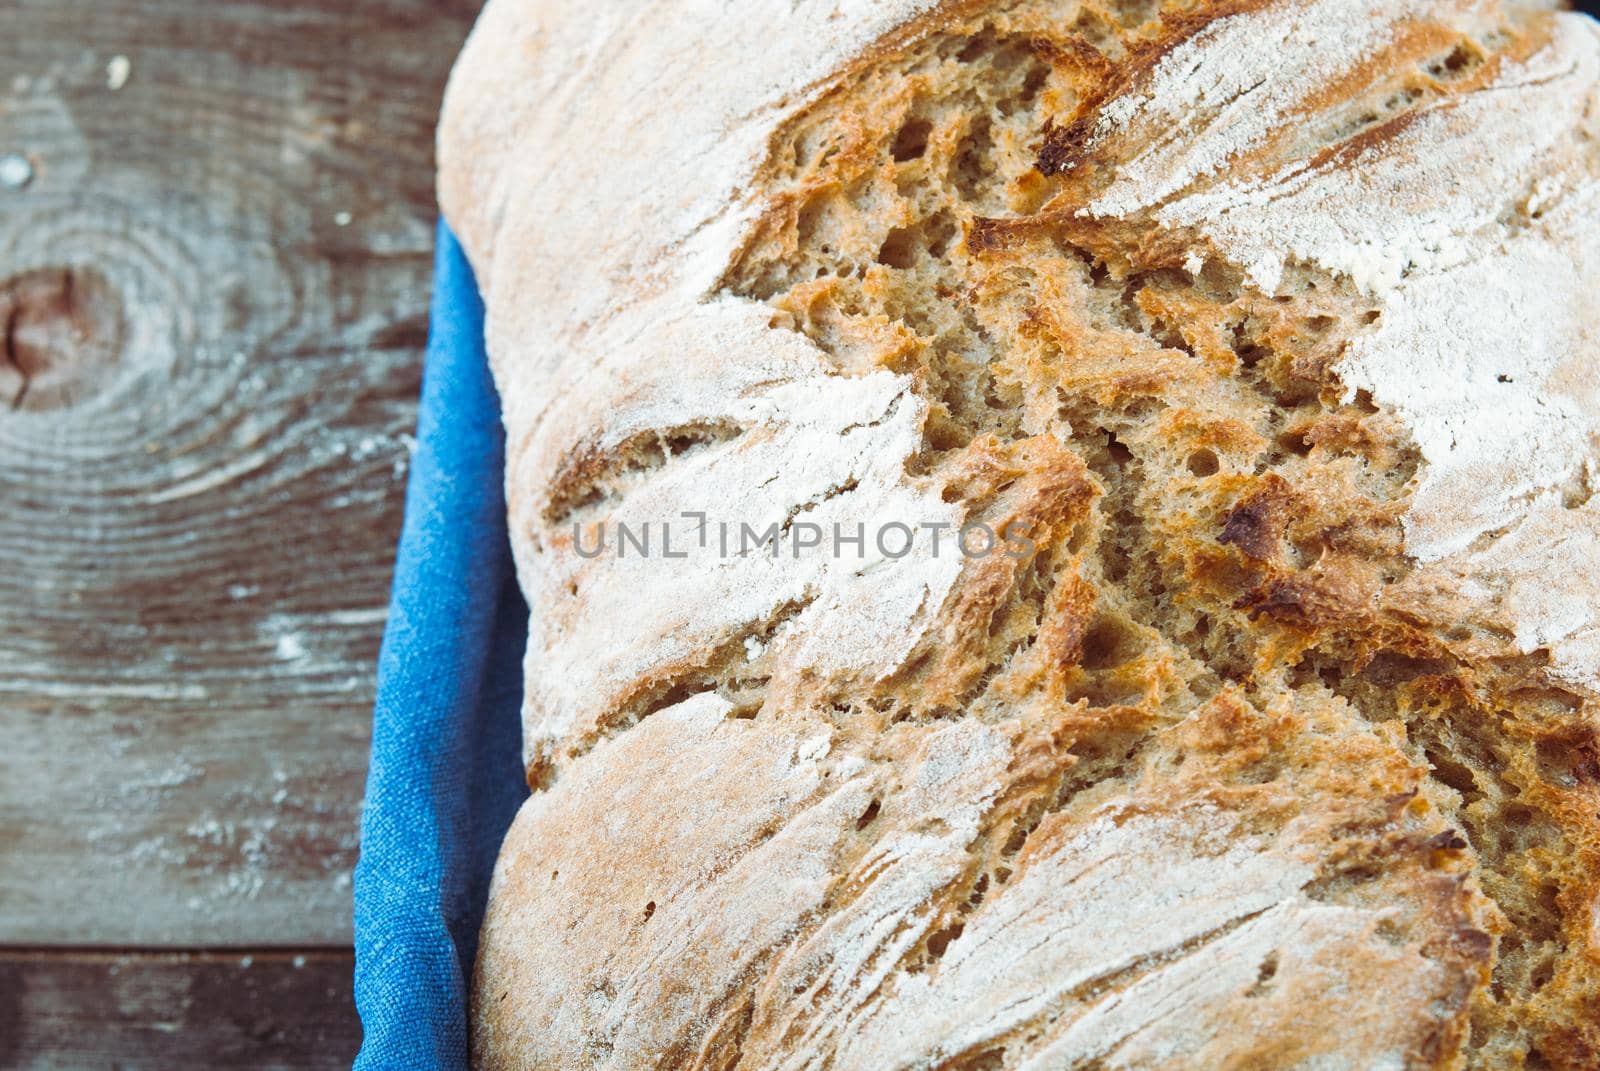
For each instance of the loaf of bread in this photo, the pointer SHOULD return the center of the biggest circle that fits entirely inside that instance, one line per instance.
(1246, 357)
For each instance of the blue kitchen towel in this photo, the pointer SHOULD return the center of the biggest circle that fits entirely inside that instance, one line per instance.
(446, 776)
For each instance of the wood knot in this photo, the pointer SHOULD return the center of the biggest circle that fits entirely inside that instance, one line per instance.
(63, 333)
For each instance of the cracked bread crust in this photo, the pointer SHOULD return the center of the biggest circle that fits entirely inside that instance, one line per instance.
(1271, 323)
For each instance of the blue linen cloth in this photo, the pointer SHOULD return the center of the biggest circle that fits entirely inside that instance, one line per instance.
(446, 775)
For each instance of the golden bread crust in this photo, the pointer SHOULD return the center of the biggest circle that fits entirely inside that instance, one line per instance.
(1271, 324)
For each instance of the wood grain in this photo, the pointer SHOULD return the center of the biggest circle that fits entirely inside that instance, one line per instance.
(213, 295)
(74, 1012)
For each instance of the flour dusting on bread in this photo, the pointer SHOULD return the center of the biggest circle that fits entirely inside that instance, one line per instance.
(1268, 321)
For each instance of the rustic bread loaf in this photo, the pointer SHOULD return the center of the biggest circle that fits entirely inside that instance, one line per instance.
(1268, 328)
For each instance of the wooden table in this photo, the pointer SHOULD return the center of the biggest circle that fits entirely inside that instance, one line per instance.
(215, 233)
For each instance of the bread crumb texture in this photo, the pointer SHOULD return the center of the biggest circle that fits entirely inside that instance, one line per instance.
(1273, 324)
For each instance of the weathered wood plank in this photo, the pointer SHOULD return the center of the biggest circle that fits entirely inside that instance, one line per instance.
(213, 283)
(176, 1012)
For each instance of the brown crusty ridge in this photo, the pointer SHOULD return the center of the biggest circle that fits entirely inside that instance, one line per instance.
(1271, 324)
